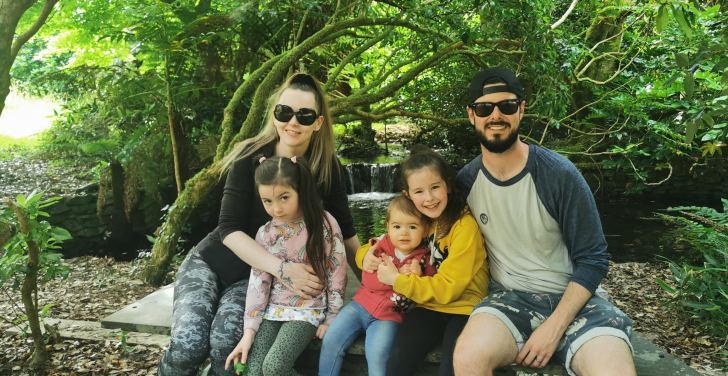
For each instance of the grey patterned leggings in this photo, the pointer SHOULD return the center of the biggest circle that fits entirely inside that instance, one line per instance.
(207, 320)
(276, 347)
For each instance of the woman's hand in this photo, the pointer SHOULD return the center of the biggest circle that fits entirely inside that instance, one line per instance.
(321, 331)
(301, 279)
(371, 262)
(387, 272)
(240, 354)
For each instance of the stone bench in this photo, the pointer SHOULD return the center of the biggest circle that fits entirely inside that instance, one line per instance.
(153, 314)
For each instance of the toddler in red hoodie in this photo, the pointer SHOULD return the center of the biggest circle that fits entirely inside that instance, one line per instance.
(376, 308)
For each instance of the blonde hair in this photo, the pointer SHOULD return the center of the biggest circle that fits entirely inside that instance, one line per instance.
(322, 141)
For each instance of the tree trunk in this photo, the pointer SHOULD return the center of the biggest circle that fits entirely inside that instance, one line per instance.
(10, 14)
(173, 129)
(30, 285)
(263, 81)
(197, 189)
(601, 29)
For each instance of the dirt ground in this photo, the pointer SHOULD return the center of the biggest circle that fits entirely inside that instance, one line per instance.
(97, 287)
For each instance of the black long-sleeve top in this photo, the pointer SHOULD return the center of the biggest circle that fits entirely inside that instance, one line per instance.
(242, 210)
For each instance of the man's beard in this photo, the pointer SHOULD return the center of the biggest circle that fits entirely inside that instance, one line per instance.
(498, 144)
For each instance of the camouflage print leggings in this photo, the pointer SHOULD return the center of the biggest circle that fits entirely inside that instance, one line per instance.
(276, 347)
(207, 320)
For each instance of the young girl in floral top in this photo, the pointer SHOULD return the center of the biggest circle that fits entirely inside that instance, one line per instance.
(278, 323)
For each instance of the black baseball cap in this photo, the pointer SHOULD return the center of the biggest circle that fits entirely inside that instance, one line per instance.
(512, 85)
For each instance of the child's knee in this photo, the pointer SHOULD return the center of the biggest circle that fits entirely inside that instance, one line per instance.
(275, 366)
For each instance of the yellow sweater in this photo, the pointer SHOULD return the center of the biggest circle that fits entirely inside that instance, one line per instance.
(462, 277)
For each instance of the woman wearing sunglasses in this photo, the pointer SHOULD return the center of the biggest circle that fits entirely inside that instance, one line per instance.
(211, 286)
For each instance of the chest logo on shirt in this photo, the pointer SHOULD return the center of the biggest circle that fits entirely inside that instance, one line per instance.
(484, 218)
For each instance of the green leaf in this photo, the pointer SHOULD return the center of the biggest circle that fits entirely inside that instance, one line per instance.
(34, 197)
(60, 234)
(681, 59)
(21, 200)
(711, 261)
(152, 239)
(465, 37)
(662, 18)
(665, 286)
(242, 368)
(691, 129)
(706, 306)
(689, 85)
(724, 80)
(708, 120)
(45, 310)
(672, 79)
(721, 65)
(680, 17)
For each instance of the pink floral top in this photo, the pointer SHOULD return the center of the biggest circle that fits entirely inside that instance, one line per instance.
(287, 241)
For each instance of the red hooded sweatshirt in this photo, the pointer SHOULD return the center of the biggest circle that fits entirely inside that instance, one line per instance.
(379, 299)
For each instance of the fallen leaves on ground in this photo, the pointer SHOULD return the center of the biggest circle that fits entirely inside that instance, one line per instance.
(98, 287)
(635, 292)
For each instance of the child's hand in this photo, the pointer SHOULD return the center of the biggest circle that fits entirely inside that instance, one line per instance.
(405, 269)
(415, 267)
(240, 354)
(321, 331)
(387, 272)
(371, 262)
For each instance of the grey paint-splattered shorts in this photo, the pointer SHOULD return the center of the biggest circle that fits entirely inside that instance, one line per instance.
(523, 312)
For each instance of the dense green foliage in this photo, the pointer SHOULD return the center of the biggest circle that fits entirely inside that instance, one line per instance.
(13, 264)
(636, 86)
(161, 89)
(700, 281)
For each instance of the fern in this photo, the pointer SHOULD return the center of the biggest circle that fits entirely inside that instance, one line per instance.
(706, 214)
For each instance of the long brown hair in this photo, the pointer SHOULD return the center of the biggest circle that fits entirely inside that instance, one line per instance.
(422, 157)
(321, 147)
(282, 171)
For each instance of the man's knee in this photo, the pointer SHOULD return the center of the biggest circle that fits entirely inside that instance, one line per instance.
(485, 344)
(604, 355)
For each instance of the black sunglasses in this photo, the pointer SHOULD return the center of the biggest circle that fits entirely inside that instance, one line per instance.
(506, 107)
(305, 116)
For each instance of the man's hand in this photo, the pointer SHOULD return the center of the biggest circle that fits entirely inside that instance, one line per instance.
(240, 353)
(301, 279)
(541, 345)
(321, 331)
(387, 272)
(371, 262)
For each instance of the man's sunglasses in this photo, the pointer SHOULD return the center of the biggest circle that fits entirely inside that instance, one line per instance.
(305, 116)
(506, 107)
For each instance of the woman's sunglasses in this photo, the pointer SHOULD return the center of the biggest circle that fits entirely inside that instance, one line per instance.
(305, 116)
(506, 107)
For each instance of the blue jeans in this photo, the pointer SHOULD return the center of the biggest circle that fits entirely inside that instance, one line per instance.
(348, 324)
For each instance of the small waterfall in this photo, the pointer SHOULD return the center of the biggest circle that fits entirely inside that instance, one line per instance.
(383, 177)
(363, 178)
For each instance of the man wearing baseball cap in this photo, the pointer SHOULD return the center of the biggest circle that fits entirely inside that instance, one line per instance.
(546, 251)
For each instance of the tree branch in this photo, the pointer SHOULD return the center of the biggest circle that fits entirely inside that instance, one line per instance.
(25, 37)
(598, 100)
(332, 77)
(339, 106)
(359, 114)
(565, 16)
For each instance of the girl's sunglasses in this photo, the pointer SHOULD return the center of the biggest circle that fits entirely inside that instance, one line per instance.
(506, 107)
(305, 116)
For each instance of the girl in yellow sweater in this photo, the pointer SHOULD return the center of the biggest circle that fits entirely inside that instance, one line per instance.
(446, 299)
